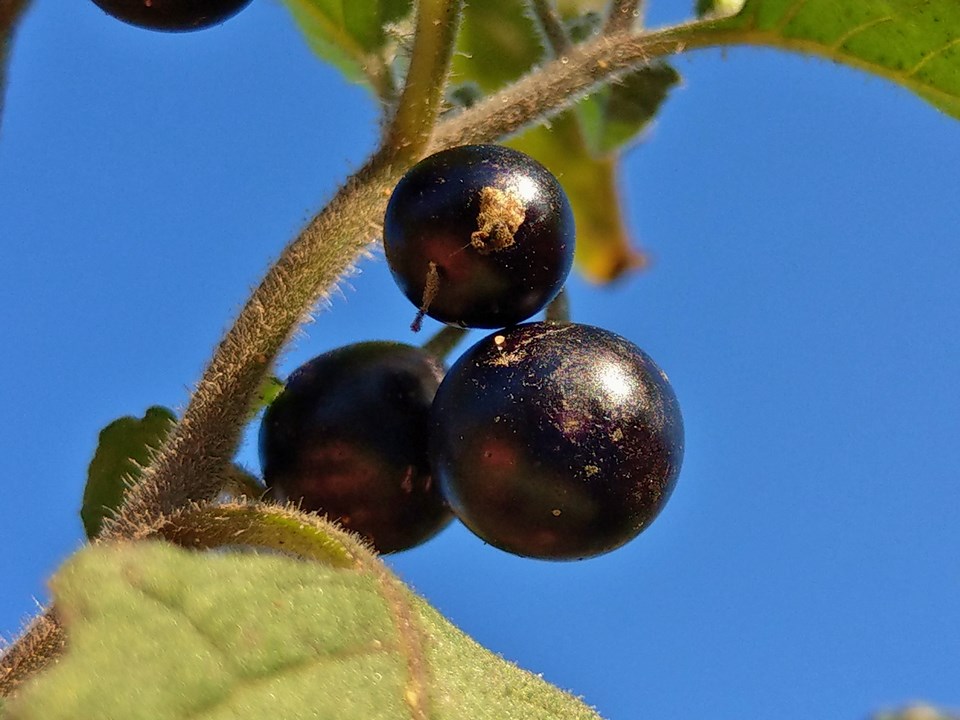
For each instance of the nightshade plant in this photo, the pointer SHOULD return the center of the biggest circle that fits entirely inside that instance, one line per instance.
(598, 76)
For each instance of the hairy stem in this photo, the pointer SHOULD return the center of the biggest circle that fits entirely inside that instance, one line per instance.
(546, 14)
(192, 463)
(554, 85)
(436, 30)
(42, 641)
(623, 15)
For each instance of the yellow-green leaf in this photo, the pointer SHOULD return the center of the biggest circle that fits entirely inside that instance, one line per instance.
(353, 35)
(604, 248)
(912, 42)
(124, 448)
(159, 633)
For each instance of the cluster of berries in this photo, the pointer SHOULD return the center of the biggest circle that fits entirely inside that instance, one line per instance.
(547, 439)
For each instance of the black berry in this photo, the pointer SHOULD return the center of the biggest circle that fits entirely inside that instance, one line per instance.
(556, 441)
(347, 438)
(172, 15)
(479, 236)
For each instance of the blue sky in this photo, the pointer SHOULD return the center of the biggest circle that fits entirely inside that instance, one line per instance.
(804, 299)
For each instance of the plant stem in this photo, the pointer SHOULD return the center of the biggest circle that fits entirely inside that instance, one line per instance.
(191, 465)
(558, 311)
(445, 340)
(546, 14)
(555, 84)
(436, 30)
(42, 641)
(624, 15)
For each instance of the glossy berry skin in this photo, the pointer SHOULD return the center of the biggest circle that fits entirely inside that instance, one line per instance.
(495, 223)
(556, 441)
(172, 15)
(347, 438)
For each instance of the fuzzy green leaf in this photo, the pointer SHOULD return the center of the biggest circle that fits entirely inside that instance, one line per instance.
(159, 633)
(916, 44)
(353, 35)
(124, 448)
(499, 42)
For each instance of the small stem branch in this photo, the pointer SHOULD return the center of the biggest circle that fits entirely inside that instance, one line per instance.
(558, 311)
(436, 31)
(555, 84)
(546, 13)
(623, 16)
(446, 339)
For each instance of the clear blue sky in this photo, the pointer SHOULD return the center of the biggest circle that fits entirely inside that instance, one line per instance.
(805, 301)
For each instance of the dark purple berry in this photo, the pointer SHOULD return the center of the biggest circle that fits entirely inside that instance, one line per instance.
(479, 236)
(172, 15)
(557, 441)
(347, 438)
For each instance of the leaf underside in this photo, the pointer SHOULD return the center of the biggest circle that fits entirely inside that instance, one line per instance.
(159, 633)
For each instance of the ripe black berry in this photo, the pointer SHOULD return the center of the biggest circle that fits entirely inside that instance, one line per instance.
(172, 15)
(347, 438)
(479, 236)
(556, 441)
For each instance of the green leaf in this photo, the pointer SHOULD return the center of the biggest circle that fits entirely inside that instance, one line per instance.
(916, 44)
(124, 448)
(353, 36)
(159, 633)
(498, 43)
(270, 388)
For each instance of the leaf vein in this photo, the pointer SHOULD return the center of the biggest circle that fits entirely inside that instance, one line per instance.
(930, 56)
(854, 31)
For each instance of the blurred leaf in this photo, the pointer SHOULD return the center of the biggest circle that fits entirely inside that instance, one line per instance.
(269, 389)
(604, 249)
(160, 633)
(718, 8)
(617, 113)
(917, 712)
(916, 44)
(352, 35)
(499, 42)
(124, 448)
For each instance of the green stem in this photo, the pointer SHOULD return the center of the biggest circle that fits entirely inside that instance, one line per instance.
(558, 311)
(444, 341)
(421, 99)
